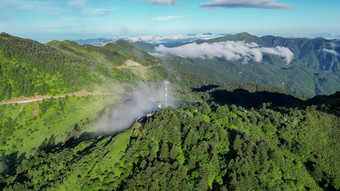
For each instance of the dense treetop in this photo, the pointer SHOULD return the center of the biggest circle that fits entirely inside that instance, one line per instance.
(193, 147)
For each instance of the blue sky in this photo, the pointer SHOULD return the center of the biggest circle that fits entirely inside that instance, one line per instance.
(80, 19)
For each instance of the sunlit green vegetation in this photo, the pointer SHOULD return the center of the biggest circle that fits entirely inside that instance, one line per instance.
(197, 147)
(28, 67)
(220, 147)
(25, 127)
(233, 139)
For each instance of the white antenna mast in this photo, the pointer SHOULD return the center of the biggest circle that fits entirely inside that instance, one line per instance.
(166, 82)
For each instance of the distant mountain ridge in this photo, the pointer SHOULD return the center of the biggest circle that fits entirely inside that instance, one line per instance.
(152, 39)
(178, 39)
(95, 41)
(314, 69)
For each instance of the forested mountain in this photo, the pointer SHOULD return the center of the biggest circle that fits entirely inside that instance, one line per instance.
(313, 70)
(193, 147)
(236, 136)
(28, 68)
(95, 42)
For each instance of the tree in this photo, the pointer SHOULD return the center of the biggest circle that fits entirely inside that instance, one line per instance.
(221, 112)
(205, 108)
(164, 152)
(174, 152)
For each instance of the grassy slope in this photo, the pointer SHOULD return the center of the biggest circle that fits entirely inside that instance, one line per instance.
(28, 67)
(55, 121)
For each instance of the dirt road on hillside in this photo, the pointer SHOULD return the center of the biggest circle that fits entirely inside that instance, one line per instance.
(59, 96)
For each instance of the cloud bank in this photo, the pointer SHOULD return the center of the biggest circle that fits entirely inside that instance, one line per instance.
(153, 39)
(307, 36)
(161, 2)
(230, 50)
(263, 4)
(329, 51)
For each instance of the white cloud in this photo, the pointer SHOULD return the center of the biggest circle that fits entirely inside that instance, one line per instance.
(53, 10)
(155, 54)
(331, 36)
(329, 51)
(333, 45)
(173, 38)
(17, 4)
(264, 4)
(161, 2)
(95, 11)
(279, 51)
(77, 3)
(299, 36)
(230, 50)
(161, 19)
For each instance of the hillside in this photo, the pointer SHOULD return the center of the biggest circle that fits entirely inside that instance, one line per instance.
(57, 68)
(28, 68)
(313, 69)
(257, 136)
(197, 147)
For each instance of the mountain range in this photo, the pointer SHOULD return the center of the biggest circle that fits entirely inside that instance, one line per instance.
(29, 68)
(239, 125)
(153, 39)
(313, 69)
(172, 39)
(306, 67)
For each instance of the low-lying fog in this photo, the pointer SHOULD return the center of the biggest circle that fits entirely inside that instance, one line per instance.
(143, 99)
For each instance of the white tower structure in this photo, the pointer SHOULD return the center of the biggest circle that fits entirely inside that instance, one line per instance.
(166, 82)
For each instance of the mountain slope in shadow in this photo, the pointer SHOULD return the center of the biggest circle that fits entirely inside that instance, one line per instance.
(252, 99)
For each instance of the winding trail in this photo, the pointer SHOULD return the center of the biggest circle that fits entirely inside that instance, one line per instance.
(59, 96)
